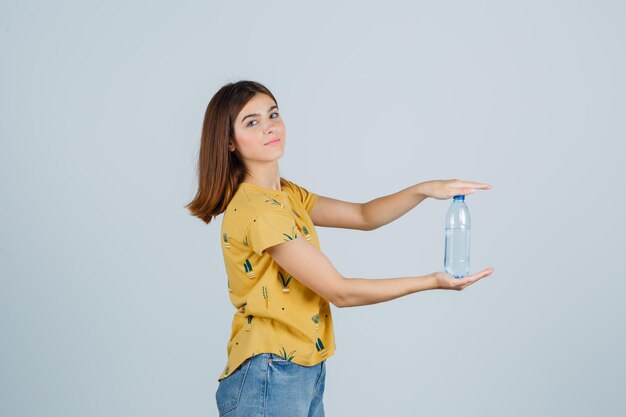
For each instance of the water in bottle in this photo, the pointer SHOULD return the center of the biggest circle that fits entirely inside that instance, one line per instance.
(458, 230)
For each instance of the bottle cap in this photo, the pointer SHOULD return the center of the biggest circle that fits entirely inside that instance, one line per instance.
(459, 197)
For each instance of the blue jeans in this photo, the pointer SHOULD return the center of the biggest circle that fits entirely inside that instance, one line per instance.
(267, 385)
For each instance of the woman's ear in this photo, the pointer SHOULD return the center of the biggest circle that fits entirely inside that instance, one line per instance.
(231, 147)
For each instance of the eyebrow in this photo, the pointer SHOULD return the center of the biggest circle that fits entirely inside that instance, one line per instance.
(257, 114)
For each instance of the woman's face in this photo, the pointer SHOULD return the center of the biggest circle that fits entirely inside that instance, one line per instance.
(256, 126)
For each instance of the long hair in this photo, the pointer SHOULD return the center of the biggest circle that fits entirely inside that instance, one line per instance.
(220, 171)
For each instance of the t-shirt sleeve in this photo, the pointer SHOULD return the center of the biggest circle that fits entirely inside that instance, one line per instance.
(307, 197)
(271, 228)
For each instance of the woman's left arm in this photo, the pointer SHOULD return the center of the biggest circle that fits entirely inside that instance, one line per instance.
(330, 212)
(384, 210)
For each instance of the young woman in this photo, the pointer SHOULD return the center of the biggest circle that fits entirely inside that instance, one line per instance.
(278, 280)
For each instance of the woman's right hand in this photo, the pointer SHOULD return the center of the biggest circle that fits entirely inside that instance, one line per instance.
(445, 281)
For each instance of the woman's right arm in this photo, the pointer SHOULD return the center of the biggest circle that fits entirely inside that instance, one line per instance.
(306, 263)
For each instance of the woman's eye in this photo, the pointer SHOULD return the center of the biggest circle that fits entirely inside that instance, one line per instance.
(251, 121)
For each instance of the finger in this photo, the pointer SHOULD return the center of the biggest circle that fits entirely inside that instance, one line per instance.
(471, 278)
(477, 185)
(467, 282)
(470, 190)
(482, 274)
(462, 190)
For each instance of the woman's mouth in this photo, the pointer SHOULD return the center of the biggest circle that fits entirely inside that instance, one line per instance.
(274, 142)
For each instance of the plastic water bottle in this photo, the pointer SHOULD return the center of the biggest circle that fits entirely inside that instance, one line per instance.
(458, 230)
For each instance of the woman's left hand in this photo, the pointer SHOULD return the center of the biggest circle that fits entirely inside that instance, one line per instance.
(445, 189)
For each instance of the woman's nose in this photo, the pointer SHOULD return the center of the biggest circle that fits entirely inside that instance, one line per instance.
(271, 126)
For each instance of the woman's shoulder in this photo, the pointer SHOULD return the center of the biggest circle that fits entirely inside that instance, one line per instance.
(295, 188)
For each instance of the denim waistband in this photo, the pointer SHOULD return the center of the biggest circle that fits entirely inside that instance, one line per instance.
(270, 356)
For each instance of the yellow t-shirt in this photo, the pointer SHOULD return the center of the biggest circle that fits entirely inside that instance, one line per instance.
(275, 312)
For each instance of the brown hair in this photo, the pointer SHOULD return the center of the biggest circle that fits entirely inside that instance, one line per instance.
(220, 171)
